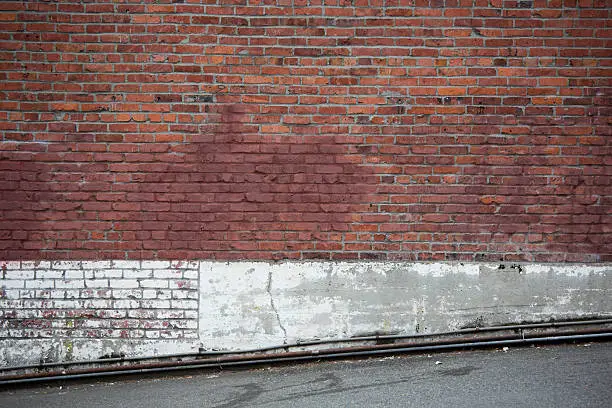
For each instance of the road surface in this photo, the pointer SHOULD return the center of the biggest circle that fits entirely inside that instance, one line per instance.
(545, 376)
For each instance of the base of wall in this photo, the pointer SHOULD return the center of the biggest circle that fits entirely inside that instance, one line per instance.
(80, 310)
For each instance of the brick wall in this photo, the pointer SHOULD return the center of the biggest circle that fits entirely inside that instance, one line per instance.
(331, 129)
(102, 300)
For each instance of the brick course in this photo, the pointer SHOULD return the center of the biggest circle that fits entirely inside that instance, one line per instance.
(270, 129)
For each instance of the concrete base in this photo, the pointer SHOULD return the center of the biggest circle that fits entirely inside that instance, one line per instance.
(253, 304)
(250, 304)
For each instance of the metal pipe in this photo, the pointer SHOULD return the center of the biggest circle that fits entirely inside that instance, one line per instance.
(295, 357)
(316, 342)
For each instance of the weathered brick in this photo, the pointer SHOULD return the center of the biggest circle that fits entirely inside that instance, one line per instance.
(73, 274)
(18, 274)
(40, 284)
(266, 143)
(69, 284)
(13, 283)
(123, 283)
(137, 274)
(153, 283)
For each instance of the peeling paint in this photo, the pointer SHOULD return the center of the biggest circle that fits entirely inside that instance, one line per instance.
(243, 305)
(339, 299)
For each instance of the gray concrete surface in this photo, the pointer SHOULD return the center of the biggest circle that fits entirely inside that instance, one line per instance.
(255, 304)
(546, 376)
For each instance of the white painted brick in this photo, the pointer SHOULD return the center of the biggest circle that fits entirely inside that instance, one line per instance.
(97, 265)
(40, 284)
(9, 265)
(10, 304)
(170, 334)
(191, 314)
(149, 294)
(137, 334)
(55, 314)
(43, 294)
(57, 294)
(88, 294)
(110, 314)
(190, 274)
(27, 294)
(164, 294)
(66, 265)
(155, 264)
(167, 274)
(88, 274)
(137, 274)
(104, 293)
(155, 304)
(125, 324)
(123, 283)
(126, 264)
(73, 274)
(185, 294)
(49, 274)
(184, 264)
(179, 294)
(108, 273)
(170, 314)
(141, 314)
(153, 283)
(126, 304)
(97, 283)
(38, 304)
(27, 313)
(95, 324)
(97, 304)
(185, 304)
(151, 323)
(72, 294)
(183, 284)
(10, 294)
(35, 264)
(70, 284)
(62, 304)
(152, 334)
(19, 274)
(127, 294)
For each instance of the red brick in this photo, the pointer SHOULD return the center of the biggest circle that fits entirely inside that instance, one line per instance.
(263, 138)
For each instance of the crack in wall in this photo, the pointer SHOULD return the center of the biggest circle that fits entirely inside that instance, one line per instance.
(273, 306)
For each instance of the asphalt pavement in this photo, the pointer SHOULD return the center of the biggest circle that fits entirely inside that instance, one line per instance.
(546, 376)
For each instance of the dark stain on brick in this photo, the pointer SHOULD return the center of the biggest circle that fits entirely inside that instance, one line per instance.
(203, 98)
(168, 98)
(280, 188)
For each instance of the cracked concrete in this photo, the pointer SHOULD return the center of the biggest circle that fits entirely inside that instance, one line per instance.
(269, 290)
(256, 304)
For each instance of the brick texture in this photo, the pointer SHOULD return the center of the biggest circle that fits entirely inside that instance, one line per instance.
(273, 129)
(101, 300)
